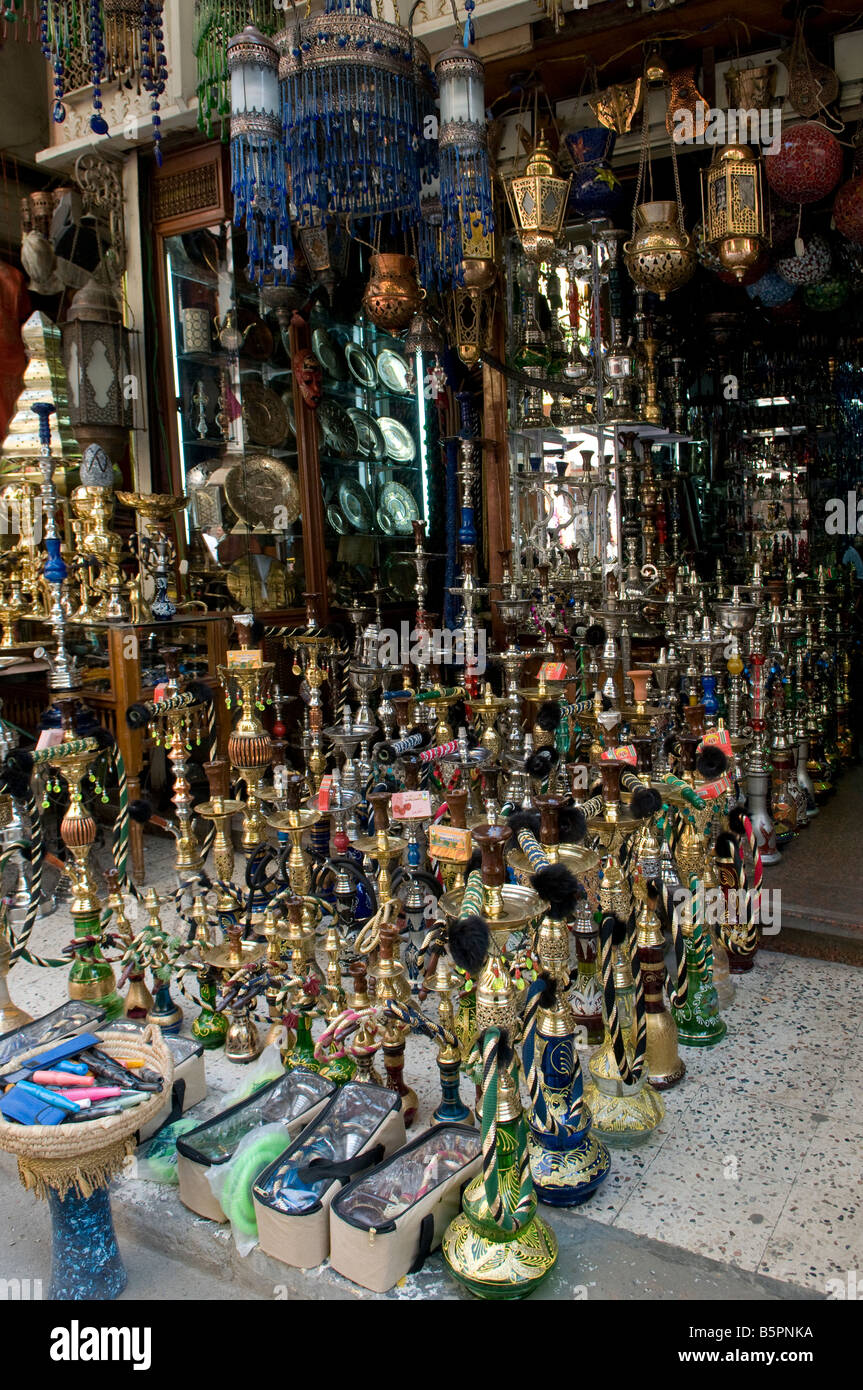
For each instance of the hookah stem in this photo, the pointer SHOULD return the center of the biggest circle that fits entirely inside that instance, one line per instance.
(507, 1220)
(638, 1060)
(542, 1119)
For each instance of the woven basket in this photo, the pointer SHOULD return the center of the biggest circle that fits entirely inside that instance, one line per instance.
(86, 1156)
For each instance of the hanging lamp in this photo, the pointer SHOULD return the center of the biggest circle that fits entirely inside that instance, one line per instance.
(660, 256)
(537, 200)
(358, 96)
(216, 22)
(465, 180)
(258, 174)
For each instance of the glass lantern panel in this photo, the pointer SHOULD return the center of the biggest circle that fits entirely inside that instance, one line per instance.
(101, 375)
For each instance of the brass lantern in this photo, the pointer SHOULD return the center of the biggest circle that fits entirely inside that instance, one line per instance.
(732, 201)
(478, 268)
(537, 200)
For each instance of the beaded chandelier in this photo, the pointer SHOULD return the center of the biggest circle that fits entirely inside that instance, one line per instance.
(216, 23)
(358, 112)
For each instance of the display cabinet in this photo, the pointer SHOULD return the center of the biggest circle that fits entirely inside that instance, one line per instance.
(298, 479)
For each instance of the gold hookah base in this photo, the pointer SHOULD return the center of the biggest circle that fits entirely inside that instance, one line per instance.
(623, 1114)
(568, 1169)
(664, 1065)
(495, 1264)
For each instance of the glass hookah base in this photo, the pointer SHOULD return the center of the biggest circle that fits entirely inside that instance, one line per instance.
(565, 1177)
(624, 1119)
(85, 1259)
(499, 1268)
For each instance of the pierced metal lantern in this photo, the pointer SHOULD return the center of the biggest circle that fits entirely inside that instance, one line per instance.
(660, 257)
(732, 200)
(96, 357)
(537, 200)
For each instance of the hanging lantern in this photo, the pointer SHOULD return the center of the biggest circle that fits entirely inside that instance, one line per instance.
(216, 21)
(660, 257)
(470, 319)
(96, 358)
(808, 164)
(771, 290)
(423, 337)
(465, 181)
(325, 249)
(358, 93)
(537, 200)
(732, 201)
(258, 180)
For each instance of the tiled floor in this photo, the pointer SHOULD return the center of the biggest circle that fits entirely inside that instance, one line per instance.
(759, 1160)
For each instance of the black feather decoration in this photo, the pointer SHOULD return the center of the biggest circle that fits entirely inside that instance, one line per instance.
(573, 825)
(256, 633)
(524, 820)
(735, 820)
(202, 693)
(671, 746)
(548, 717)
(558, 886)
(468, 939)
(726, 845)
(711, 762)
(103, 737)
(141, 811)
(646, 801)
(540, 763)
(17, 771)
(595, 635)
(618, 929)
(137, 716)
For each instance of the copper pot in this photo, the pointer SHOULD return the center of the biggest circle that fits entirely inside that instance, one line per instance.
(393, 294)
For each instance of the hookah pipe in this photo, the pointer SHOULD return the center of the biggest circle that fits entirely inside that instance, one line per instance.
(614, 932)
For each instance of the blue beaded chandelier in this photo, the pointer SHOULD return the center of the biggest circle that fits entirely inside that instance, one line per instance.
(358, 99)
(122, 40)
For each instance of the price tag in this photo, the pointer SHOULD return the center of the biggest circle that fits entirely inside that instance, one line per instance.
(450, 844)
(324, 793)
(553, 671)
(624, 753)
(711, 790)
(411, 806)
(159, 692)
(49, 738)
(719, 738)
(241, 657)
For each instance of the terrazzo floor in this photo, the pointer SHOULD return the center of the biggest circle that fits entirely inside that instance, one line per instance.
(758, 1162)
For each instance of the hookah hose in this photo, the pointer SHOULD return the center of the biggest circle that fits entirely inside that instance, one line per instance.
(530, 846)
(677, 996)
(499, 1212)
(629, 1073)
(472, 899)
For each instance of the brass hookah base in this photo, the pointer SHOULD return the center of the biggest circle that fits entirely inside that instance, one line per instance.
(623, 1112)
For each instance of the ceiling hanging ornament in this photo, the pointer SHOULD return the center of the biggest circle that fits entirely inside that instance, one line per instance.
(467, 209)
(732, 201)
(660, 256)
(358, 103)
(685, 97)
(617, 107)
(123, 40)
(808, 164)
(812, 86)
(537, 200)
(848, 207)
(258, 174)
(216, 23)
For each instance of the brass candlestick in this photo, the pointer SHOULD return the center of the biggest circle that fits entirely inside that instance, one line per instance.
(246, 682)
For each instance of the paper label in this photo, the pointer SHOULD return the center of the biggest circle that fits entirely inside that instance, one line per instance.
(49, 738)
(450, 844)
(719, 738)
(411, 806)
(711, 790)
(241, 657)
(553, 671)
(624, 753)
